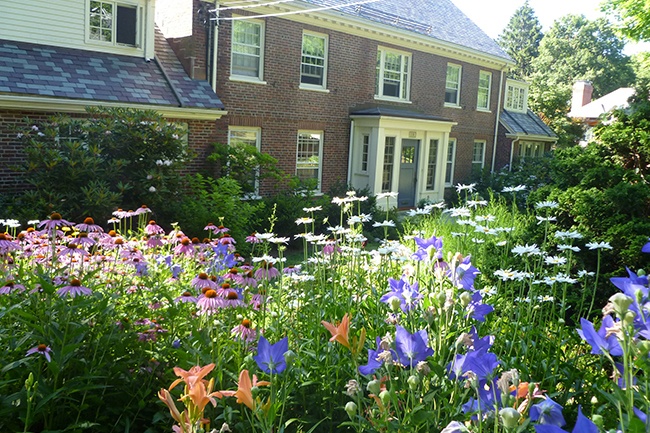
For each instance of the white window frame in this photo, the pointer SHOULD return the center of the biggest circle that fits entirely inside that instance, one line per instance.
(325, 38)
(537, 149)
(432, 164)
(365, 152)
(258, 144)
(388, 165)
(139, 14)
(404, 75)
(310, 166)
(453, 85)
(516, 96)
(260, 72)
(484, 90)
(450, 162)
(481, 160)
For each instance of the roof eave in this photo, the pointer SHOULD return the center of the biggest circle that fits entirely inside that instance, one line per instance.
(524, 136)
(40, 103)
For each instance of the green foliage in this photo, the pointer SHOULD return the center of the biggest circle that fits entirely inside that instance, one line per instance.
(632, 16)
(521, 39)
(576, 49)
(113, 156)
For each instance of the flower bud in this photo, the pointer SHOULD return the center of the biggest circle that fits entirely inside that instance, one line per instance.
(255, 390)
(384, 396)
(374, 387)
(621, 303)
(289, 357)
(629, 317)
(395, 304)
(640, 273)
(598, 420)
(351, 409)
(465, 298)
(509, 417)
(644, 347)
(413, 382)
(442, 297)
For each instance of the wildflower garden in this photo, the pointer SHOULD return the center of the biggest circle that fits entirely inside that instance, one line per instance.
(483, 314)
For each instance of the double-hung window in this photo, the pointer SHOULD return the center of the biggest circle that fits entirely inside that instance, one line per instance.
(393, 75)
(113, 23)
(451, 158)
(240, 138)
(247, 49)
(309, 157)
(478, 157)
(313, 67)
(484, 85)
(452, 85)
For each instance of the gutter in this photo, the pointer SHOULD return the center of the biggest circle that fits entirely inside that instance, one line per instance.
(215, 46)
(177, 95)
(350, 152)
(496, 124)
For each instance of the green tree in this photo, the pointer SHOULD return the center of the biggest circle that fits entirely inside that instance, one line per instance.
(576, 48)
(632, 16)
(521, 39)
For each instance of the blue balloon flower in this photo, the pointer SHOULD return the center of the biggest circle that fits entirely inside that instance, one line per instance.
(270, 357)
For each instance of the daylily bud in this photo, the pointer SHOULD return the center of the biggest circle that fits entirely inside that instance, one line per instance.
(413, 382)
(465, 298)
(509, 417)
(384, 396)
(374, 387)
(351, 409)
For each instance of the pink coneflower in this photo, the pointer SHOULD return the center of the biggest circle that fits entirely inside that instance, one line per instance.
(247, 279)
(154, 241)
(142, 210)
(132, 255)
(185, 247)
(257, 300)
(244, 332)
(202, 281)
(53, 222)
(43, 349)
(6, 244)
(232, 298)
(226, 239)
(266, 271)
(253, 239)
(291, 270)
(186, 297)
(210, 227)
(220, 229)
(232, 274)
(83, 240)
(89, 226)
(73, 250)
(73, 289)
(209, 302)
(153, 229)
(11, 286)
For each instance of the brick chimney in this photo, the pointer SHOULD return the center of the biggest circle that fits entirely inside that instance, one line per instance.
(582, 91)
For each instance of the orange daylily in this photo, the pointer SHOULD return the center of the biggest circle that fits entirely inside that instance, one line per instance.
(196, 374)
(166, 398)
(201, 395)
(340, 332)
(244, 392)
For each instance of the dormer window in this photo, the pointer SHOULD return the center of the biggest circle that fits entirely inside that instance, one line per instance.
(113, 23)
(516, 96)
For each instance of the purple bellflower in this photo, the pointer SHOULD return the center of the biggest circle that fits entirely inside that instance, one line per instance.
(373, 359)
(464, 274)
(480, 362)
(407, 294)
(270, 357)
(547, 412)
(476, 309)
(411, 348)
(583, 425)
(426, 246)
(646, 248)
(598, 340)
(488, 399)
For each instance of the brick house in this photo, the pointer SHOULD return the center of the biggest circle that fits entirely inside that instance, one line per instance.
(391, 96)
(99, 53)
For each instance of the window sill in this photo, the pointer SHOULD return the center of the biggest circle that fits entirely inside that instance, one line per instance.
(483, 110)
(392, 99)
(313, 89)
(247, 80)
(456, 106)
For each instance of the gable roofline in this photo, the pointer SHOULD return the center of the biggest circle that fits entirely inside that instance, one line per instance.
(50, 104)
(381, 32)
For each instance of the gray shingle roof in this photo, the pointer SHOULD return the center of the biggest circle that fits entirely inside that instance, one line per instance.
(375, 110)
(527, 123)
(439, 19)
(42, 70)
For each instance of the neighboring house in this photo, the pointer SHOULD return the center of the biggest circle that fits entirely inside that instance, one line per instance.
(589, 112)
(77, 53)
(521, 130)
(394, 96)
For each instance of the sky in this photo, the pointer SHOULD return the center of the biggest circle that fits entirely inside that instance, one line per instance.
(492, 16)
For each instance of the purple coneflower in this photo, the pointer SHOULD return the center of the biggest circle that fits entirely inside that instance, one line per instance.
(43, 349)
(186, 297)
(72, 249)
(11, 286)
(153, 229)
(53, 222)
(253, 239)
(89, 226)
(266, 271)
(209, 302)
(185, 247)
(142, 210)
(73, 289)
(6, 244)
(83, 240)
(202, 281)
(244, 332)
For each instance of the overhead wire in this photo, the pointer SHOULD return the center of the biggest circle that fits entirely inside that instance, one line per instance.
(294, 12)
(259, 5)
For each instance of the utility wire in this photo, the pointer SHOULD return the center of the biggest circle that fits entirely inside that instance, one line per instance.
(255, 5)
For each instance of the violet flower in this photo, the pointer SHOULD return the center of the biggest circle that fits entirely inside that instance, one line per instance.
(480, 362)
(42, 349)
(411, 348)
(547, 412)
(583, 425)
(270, 357)
(598, 340)
(407, 294)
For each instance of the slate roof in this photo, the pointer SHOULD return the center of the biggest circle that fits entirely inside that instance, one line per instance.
(525, 124)
(42, 70)
(374, 110)
(439, 19)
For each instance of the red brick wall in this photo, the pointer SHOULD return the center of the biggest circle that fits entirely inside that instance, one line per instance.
(280, 108)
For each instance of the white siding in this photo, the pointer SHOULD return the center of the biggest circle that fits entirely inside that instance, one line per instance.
(57, 22)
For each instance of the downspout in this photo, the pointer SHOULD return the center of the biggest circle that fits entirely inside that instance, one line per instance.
(512, 153)
(215, 46)
(350, 152)
(496, 125)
